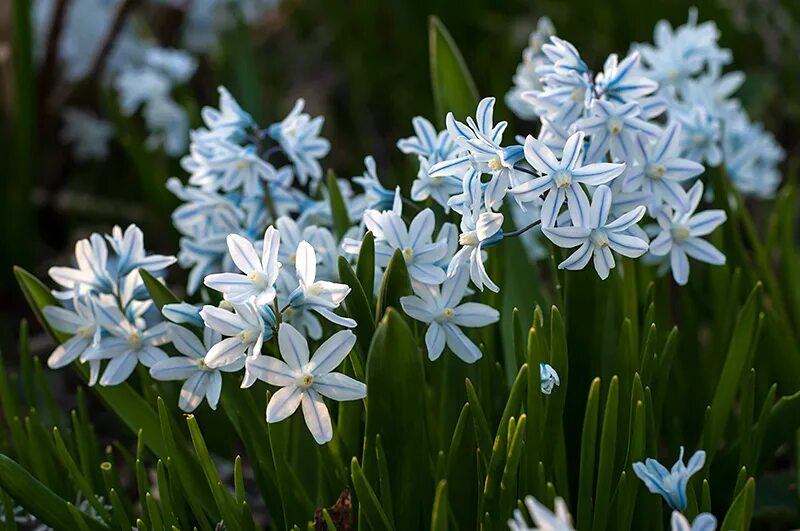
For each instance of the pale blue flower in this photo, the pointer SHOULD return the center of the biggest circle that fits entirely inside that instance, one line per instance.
(257, 281)
(88, 135)
(562, 179)
(563, 56)
(183, 313)
(201, 381)
(137, 86)
(167, 124)
(678, 54)
(443, 311)
(660, 169)
(543, 518)
(480, 139)
(681, 234)
(478, 230)
(702, 522)
(245, 327)
(526, 77)
(178, 64)
(670, 484)
(701, 136)
(596, 237)
(321, 296)
(378, 197)
(229, 167)
(230, 120)
(752, 156)
(305, 381)
(613, 128)
(130, 252)
(92, 274)
(623, 81)
(298, 136)
(563, 97)
(414, 242)
(432, 148)
(81, 323)
(128, 344)
(548, 378)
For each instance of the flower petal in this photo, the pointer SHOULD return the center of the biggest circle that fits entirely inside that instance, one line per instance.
(434, 340)
(332, 352)
(338, 386)
(293, 346)
(474, 314)
(283, 403)
(317, 417)
(243, 254)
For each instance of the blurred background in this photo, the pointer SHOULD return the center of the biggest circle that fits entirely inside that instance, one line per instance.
(363, 65)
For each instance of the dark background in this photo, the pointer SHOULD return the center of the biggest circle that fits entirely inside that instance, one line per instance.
(364, 66)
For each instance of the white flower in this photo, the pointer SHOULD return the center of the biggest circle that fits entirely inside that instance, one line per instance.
(131, 255)
(201, 380)
(443, 311)
(246, 328)
(320, 296)
(88, 134)
(81, 323)
(303, 381)
(597, 237)
(478, 230)
(703, 522)
(543, 518)
(548, 378)
(415, 242)
(128, 344)
(681, 236)
(91, 256)
(298, 136)
(258, 281)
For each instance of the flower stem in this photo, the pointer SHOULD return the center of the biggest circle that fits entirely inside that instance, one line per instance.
(523, 230)
(526, 170)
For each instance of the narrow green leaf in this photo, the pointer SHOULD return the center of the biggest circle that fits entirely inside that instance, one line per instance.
(160, 293)
(453, 87)
(365, 266)
(608, 449)
(440, 508)
(37, 498)
(358, 305)
(588, 454)
(396, 284)
(739, 514)
(341, 221)
(368, 501)
(77, 476)
(395, 375)
(482, 432)
(734, 368)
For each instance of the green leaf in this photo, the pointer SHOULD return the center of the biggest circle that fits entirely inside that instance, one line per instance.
(453, 87)
(365, 266)
(440, 508)
(462, 478)
(608, 449)
(358, 305)
(741, 510)
(160, 293)
(736, 364)
(395, 376)
(126, 403)
(368, 501)
(396, 284)
(588, 453)
(341, 220)
(37, 498)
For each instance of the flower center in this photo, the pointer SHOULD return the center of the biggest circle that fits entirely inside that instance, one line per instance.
(258, 279)
(241, 164)
(135, 341)
(408, 253)
(562, 178)
(86, 331)
(495, 164)
(293, 258)
(249, 335)
(446, 314)
(305, 380)
(202, 364)
(600, 238)
(578, 94)
(436, 180)
(469, 238)
(225, 305)
(615, 126)
(656, 171)
(698, 139)
(680, 233)
(316, 290)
